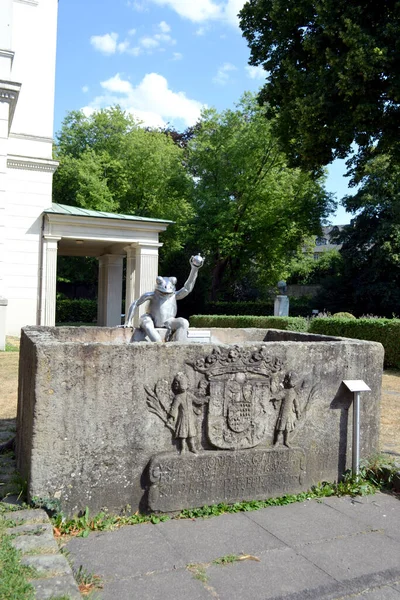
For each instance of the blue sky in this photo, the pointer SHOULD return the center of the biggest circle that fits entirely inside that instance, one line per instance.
(161, 60)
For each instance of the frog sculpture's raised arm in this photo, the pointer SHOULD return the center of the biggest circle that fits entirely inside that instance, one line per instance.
(162, 306)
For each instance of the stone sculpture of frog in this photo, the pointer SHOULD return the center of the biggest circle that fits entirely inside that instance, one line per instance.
(162, 306)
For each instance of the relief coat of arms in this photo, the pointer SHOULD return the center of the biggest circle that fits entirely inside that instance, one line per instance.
(241, 383)
(237, 384)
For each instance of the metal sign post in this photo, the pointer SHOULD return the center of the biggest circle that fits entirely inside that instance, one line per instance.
(356, 386)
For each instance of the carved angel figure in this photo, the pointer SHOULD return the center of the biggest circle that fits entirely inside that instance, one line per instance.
(181, 413)
(289, 410)
(177, 408)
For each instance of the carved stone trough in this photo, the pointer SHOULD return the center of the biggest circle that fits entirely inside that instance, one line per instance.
(107, 423)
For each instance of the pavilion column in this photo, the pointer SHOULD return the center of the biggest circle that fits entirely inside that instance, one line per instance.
(110, 290)
(145, 273)
(130, 276)
(49, 280)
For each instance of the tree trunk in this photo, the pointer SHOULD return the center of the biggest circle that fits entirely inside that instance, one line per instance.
(217, 277)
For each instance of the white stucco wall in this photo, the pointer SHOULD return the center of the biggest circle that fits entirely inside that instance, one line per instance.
(29, 168)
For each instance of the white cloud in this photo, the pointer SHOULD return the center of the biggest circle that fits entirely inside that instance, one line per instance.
(231, 11)
(194, 10)
(85, 89)
(149, 43)
(116, 84)
(223, 74)
(200, 11)
(151, 101)
(123, 46)
(136, 51)
(107, 44)
(139, 6)
(255, 72)
(164, 27)
(177, 56)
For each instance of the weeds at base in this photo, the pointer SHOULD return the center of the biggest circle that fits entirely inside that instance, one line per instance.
(87, 582)
(374, 475)
(199, 570)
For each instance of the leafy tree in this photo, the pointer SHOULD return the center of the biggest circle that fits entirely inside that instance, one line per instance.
(108, 162)
(252, 210)
(303, 269)
(333, 69)
(371, 244)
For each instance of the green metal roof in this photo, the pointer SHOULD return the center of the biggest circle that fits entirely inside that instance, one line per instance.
(76, 211)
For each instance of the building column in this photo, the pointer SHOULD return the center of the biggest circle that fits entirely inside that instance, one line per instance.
(3, 166)
(110, 290)
(48, 280)
(130, 276)
(146, 271)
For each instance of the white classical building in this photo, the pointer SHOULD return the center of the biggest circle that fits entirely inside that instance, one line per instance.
(32, 230)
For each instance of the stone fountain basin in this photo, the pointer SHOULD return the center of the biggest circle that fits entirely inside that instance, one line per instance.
(90, 428)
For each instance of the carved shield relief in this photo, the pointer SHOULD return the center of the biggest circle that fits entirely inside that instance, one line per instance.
(236, 414)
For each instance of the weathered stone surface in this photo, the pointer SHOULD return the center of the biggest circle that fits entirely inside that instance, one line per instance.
(48, 565)
(43, 543)
(212, 477)
(34, 529)
(55, 587)
(95, 410)
(27, 516)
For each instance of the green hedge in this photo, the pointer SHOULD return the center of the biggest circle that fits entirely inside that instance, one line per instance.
(287, 323)
(299, 307)
(76, 311)
(385, 331)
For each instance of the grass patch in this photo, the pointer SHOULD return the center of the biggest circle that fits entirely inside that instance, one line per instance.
(11, 348)
(14, 584)
(199, 572)
(226, 560)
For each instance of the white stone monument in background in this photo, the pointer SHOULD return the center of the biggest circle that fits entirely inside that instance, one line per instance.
(281, 305)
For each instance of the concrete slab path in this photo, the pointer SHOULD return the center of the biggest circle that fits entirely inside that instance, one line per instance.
(337, 548)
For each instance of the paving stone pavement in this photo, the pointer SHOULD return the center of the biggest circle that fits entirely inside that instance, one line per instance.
(337, 548)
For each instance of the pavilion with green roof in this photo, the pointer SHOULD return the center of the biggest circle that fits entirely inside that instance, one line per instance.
(110, 237)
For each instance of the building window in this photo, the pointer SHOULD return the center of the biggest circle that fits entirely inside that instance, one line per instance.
(317, 255)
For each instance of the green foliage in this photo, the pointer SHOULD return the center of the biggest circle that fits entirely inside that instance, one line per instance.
(385, 331)
(285, 323)
(87, 582)
(349, 486)
(376, 473)
(11, 347)
(14, 583)
(103, 521)
(226, 560)
(333, 74)
(108, 162)
(370, 279)
(240, 308)
(252, 210)
(299, 307)
(343, 315)
(74, 311)
(302, 269)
